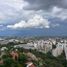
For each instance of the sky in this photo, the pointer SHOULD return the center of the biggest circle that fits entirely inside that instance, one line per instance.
(33, 17)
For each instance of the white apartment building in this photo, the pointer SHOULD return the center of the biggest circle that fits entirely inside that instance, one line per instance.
(43, 46)
(58, 50)
(65, 50)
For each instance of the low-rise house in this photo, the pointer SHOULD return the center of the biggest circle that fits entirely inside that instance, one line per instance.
(1, 61)
(14, 55)
(4, 42)
(30, 64)
(32, 56)
(14, 40)
(4, 48)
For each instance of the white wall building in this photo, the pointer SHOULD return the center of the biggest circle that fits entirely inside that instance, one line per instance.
(65, 50)
(58, 50)
(43, 46)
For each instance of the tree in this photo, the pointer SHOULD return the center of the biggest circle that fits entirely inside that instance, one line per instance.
(22, 59)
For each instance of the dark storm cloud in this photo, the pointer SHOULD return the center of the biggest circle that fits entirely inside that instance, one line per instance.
(45, 4)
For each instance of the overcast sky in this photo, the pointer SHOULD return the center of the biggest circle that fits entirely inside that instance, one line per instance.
(43, 15)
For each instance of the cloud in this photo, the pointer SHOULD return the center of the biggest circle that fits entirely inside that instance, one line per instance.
(11, 9)
(56, 10)
(36, 21)
(45, 4)
(2, 27)
(59, 13)
(15, 4)
(31, 13)
(53, 8)
(55, 25)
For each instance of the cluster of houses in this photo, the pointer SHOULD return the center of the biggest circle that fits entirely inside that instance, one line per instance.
(15, 55)
(47, 45)
(42, 45)
(6, 41)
